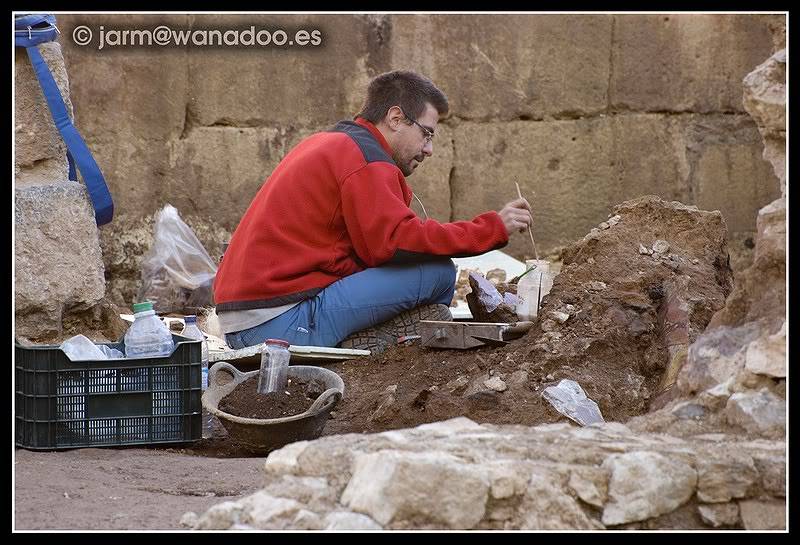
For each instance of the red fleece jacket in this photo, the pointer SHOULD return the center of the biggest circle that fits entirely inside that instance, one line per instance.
(335, 205)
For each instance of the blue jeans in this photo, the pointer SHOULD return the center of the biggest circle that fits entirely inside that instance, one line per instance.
(354, 303)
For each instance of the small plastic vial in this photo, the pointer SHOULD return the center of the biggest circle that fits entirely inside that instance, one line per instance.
(273, 374)
(533, 287)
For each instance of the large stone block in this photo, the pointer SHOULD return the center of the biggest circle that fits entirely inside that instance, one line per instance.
(728, 172)
(36, 138)
(685, 62)
(572, 172)
(222, 169)
(509, 66)
(431, 181)
(290, 86)
(58, 265)
(124, 93)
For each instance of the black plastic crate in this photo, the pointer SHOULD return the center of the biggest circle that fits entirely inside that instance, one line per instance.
(144, 401)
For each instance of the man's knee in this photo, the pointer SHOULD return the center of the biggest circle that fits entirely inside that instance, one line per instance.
(442, 272)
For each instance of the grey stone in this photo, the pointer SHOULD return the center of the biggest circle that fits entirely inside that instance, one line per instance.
(759, 412)
(547, 506)
(719, 515)
(723, 479)
(36, 138)
(58, 264)
(763, 515)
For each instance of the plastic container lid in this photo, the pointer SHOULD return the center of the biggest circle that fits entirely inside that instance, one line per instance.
(190, 319)
(279, 342)
(143, 306)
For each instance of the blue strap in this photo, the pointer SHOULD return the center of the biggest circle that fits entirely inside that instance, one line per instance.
(77, 154)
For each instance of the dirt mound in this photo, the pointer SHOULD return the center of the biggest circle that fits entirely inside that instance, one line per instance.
(629, 292)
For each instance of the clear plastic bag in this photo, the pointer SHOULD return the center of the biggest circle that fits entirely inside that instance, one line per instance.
(177, 272)
(81, 348)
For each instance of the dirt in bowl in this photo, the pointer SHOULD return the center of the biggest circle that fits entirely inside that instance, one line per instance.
(245, 401)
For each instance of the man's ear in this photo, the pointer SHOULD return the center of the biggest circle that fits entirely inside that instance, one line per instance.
(394, 117)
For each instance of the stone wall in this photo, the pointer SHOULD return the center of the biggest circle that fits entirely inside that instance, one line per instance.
(584, 111)
(58, 266)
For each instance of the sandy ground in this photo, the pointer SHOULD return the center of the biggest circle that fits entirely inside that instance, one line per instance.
(124, 488)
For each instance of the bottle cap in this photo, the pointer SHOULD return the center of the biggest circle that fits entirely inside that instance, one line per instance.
(190, 319)
(141, 307)
(279, 342)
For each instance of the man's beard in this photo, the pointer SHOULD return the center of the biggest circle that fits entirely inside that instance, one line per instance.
(406, 167)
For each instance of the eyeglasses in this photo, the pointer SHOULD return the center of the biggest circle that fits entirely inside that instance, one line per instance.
(428, 133)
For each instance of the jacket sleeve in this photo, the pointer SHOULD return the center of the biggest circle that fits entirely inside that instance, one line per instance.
(382, 227)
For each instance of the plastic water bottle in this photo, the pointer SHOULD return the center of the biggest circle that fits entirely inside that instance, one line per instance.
(148, 336)
(191, 330)
(274, 371)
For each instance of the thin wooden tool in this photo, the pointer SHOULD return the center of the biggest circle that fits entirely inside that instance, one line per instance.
(530, 232)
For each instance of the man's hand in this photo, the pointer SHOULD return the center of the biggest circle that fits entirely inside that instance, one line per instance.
(516, 216)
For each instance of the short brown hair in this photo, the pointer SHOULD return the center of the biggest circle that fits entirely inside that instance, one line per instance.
(409, 90)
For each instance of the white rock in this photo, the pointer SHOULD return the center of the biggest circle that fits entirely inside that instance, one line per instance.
(644, 485)
(284, 460)
(719, 515)
(496, 384)
(660, 246)
(763, 515)
(452, 426)
(613, 220)
(561, 317)
(345, 520)
(307, 520)
(429, 488)
(595, 285)
(221, 516)
(604, 225)
(262, 509)
(643, 250)
(767, 356)
(189, 519)
(759, 412)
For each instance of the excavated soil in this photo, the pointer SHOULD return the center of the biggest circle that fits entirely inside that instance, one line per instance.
(245, 401)
(606, 324)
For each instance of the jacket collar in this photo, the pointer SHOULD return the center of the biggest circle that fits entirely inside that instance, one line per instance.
(376, 133)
